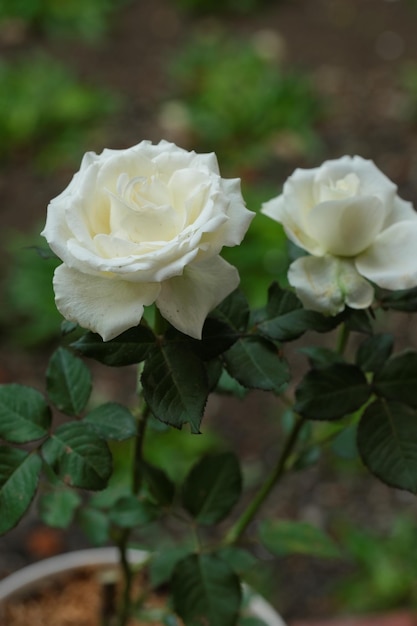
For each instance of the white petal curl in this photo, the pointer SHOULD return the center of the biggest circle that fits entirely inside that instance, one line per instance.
(186, 300)
(326, 284)
(285, 210)
(391, 261)
(105, 306)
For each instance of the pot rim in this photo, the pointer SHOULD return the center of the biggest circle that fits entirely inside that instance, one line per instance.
(46, 568)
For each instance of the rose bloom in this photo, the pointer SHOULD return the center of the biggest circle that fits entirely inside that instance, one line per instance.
(347, 215)
(141, 226)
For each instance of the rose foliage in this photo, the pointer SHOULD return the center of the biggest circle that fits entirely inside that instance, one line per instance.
(144, 227)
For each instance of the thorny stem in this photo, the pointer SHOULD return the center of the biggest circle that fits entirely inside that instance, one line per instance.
(247, 516)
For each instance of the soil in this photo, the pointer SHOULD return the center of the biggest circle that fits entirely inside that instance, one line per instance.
(354, 51)
(76, 599)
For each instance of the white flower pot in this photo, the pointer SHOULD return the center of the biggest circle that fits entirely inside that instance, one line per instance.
(29, 576)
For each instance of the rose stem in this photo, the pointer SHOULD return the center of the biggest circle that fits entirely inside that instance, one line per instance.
(240, 526)
(247, 516)
(342, 339)
(123, 543)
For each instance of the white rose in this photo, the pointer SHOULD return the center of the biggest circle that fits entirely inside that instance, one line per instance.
(140, 226)
(348, 216)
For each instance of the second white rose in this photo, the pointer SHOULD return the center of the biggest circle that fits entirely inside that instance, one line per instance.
(141, 226)
(348, 216)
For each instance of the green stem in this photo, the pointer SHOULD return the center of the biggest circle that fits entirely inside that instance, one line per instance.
(160, 323)
(342, 339)
(123, 543)
(138, 452)
(247, 516)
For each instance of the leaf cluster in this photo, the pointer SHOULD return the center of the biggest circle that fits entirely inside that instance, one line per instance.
(75, 446)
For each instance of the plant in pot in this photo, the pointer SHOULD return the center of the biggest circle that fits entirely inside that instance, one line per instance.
(139, 233)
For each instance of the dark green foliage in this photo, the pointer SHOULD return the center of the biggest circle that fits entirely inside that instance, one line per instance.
(331, 392)
(19, 475)
(206, 591)
(387, 442)
(68, 382)
(212, 488)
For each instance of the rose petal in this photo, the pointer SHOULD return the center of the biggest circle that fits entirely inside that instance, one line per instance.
(326, 284)
(105, 306)
(346, 227)
(401, 210)
(56, 230)
(239, 217)
(391, 261)
(186, 300)
(286, 211)
(372, 181)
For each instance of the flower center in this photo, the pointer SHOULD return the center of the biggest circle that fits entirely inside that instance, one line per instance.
(341, 188)
(141, 210)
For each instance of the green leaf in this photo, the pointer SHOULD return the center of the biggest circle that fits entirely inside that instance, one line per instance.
(321, 357)
(397, 379)
(212, 487)
(358, 320)
(58, 507)
(129, 348)
(331, 392)
(78, 456)
(344, 445)
(240, 560)
(163, 562)
(285, 327)
(217, 337)
(112, 421)
(129, 511)
(307, 458)
(285, 318)
(68, 327)
(387, 442)
(233, 311)
(24, 414)
(257, 364)
(374, 352)
(206, 591)
(401, 300)
(281, 301)
(160, 486)
(288, 537)
(19, 476)
(214, 371)
(175, 385)
(229, 385)
(68, 382)
(95, 524)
